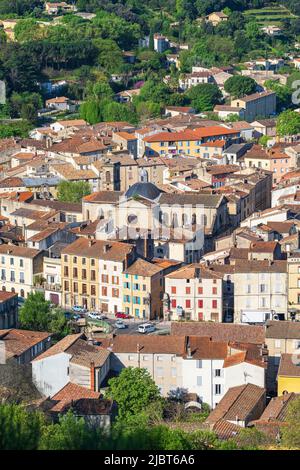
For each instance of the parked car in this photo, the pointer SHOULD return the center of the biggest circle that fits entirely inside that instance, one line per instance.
(95, 316)
(120, 325)
(122, 315)
(146, 328)
(72, 316)
(78, 309)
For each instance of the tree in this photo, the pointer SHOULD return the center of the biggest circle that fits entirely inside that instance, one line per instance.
(133, 391)
(73, 191)
(290, 434)
(154, 91)
(204, 97)
(25, 105)
(15, 129)
(70, 433)
(148, 109)
(100, 90)
(283, 94)
(27, 29)
(108, 48)
(113, 111)
(58, 324)
(238, 86)
(288, 123)
(91, 111)
(34, 314)
(37, 314)
(19, 429)
(251, 439)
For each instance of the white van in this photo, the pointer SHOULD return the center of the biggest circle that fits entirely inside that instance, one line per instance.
(146, 328)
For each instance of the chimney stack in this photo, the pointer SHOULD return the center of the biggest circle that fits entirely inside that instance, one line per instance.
(92, 376)
(106, 248)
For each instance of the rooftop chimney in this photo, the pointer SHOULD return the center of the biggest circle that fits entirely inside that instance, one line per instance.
(92, 378)
(106, 247)
(188, 348)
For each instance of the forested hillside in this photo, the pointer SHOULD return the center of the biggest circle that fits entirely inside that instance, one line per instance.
(86, 53)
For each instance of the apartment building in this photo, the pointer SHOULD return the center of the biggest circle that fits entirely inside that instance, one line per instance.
(193, 293)
(188, 142)
(281, 338)
(255, 289)
(126, 141)
(143, 288)
(274, 160)
(161, 43)
(195, 78)
(260, 286)
(8, 310)
(261, 105)
(19, 266)
(193, 364)
(293, 268)
(91, 273)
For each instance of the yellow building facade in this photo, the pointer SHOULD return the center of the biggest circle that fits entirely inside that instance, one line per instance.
(288, 378)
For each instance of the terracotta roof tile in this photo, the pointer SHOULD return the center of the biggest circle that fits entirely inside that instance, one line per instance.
(114, 251)
(84, 354)
(18, 341)
(72, 392)
(59, 347)
(289, 365)
(220, 331)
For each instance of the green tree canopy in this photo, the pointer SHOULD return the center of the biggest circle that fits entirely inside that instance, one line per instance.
(19, 430)
(290, 435)
(34, 314)
(238, 86)
(70, 433)
(204, 97)
(288, 123)
(73, 191)
(133, 391)
(37, 314)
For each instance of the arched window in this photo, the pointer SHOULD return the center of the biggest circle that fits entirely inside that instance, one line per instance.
(4, 288)
(184, 219)
(144, 178)
(13, 289)
(194, 219)
(174, 221)
(166, 219)
(22, 293)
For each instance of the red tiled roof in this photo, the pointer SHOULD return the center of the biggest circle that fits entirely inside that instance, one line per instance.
(196, 134)
(72, 392)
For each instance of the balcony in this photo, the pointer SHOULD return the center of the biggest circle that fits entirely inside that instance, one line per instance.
(49, 287)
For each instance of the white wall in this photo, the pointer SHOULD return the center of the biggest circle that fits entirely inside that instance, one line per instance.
(51, 373)
(206, 391)
(244, 373)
